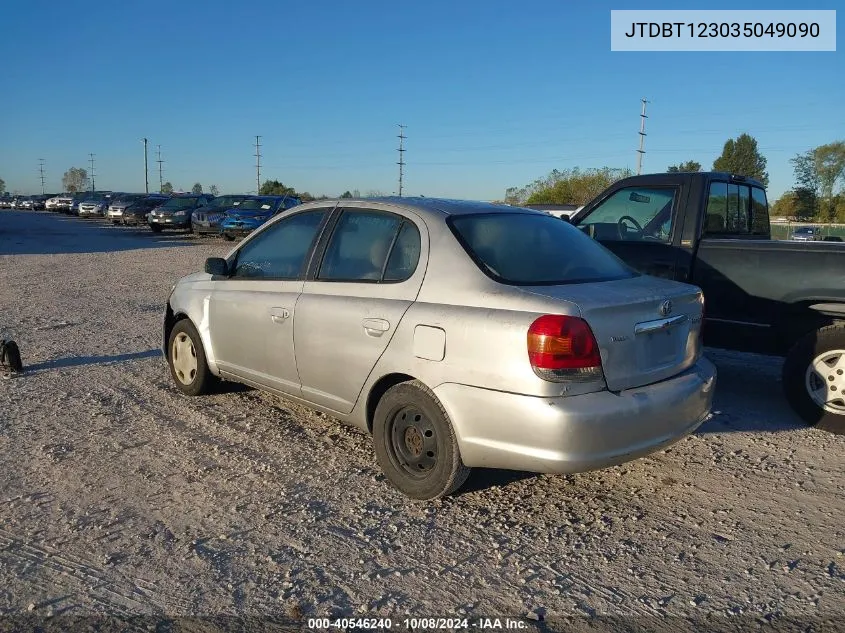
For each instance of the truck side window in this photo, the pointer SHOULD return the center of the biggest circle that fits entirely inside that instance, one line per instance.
(716, 214)
(759, 212)
(633, 214)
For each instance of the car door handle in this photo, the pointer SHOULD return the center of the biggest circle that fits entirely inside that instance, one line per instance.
(278, 315)
(375, 327)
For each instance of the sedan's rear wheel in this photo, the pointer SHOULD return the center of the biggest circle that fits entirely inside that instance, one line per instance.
(415, 443)
(228, 237)
(814, 378)
(186, 357)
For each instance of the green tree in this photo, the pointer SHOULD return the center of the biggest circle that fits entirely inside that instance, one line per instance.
(2, 186)
(197, 188)
(75, 180)
(741, 157)
(306, 196)
(275, 188)
(787, 206)
(829, 164)
(690, 165)
(213, 190)
(570, 186)
(806, 185)
(346, 194)
(167, 187)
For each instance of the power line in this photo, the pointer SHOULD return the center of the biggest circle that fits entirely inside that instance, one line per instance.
(257, 164)
(41, 169)
(402, 150)
(91, 160)
(160, 176)
(146, 171)
(641, 151)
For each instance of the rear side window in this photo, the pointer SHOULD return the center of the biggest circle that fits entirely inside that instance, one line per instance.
(528, 249)
(371, 246)
(736, 209)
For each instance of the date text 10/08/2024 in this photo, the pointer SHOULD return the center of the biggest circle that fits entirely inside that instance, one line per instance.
(417, 624)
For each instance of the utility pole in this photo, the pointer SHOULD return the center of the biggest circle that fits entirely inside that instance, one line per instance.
(401, 162)
(257, 164)
(41, 169)
(641, 151)
(146, 171)
(91, 160)
(160, 178)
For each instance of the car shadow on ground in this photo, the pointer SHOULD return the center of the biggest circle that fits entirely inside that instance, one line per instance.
(749, 395)
(81, 361)
(47, 233)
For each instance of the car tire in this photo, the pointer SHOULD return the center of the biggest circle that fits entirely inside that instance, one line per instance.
(814, 378)
(228, 237)
(415, 443)
(186, 358)
(155, 229)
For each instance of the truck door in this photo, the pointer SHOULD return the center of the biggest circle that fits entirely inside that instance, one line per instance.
(638, 224)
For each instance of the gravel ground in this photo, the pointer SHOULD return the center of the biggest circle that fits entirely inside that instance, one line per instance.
(119, 496)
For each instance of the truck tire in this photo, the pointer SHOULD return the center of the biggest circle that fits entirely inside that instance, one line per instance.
(814, 378)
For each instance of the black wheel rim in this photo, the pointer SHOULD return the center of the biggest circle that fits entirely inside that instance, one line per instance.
(412, 442)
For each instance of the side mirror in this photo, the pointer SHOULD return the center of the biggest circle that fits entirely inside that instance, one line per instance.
(565, 218)
(217, 266)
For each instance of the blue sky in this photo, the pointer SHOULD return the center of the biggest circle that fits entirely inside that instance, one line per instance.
(494, 94)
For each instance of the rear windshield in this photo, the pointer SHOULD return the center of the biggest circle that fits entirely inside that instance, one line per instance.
(528, 249)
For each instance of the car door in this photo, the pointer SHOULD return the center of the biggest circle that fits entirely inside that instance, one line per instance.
(368, 277)
(637, 223)
(251, 313)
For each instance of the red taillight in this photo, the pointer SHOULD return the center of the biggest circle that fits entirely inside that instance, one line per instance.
(563, 348)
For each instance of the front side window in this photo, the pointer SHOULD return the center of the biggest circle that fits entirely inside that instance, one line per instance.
(279, 252)
(528, 249)
(371, 246)
(633, 213)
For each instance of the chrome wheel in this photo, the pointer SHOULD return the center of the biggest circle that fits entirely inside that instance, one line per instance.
(825, 381)
(183, 356)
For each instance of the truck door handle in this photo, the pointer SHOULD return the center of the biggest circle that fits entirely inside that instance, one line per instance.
(278, 315)
(375, 327)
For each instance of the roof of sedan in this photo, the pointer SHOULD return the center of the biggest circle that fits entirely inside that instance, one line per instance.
(442, 206)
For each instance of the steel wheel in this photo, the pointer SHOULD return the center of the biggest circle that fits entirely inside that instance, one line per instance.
(413, 442)
(825, 381)
(183, 356)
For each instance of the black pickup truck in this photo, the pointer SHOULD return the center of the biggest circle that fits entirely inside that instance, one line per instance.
(782, 298)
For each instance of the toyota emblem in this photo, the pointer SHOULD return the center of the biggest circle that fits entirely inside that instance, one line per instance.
(666, 308)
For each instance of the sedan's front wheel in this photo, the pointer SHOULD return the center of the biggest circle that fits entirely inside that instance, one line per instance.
(415, 443)
(186, 357)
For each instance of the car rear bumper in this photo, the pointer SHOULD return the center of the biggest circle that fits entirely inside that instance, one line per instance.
(577, 433)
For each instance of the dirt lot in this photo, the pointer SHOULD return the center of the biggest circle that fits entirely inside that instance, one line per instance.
(120, 496)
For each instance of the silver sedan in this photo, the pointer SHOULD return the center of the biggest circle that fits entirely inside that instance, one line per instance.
(459, 334)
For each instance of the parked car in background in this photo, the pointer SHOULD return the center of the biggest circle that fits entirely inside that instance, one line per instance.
(806, 234)
(40, 202)
(23, 202)
(207, 219)
(252, 213)
(459, 334)
(95, 204)
(119, 203)
(5, 200)
(138, 212)
(176, 213)
(63, 202)
(51, 202)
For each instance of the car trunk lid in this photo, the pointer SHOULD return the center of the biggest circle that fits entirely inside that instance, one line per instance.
(647, 329)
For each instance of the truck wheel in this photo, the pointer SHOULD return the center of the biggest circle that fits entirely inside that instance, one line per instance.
(814, 378)
(415, 443)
